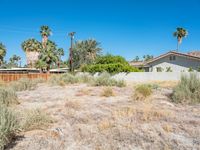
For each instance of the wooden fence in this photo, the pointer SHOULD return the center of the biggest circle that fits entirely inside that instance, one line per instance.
(14, 77)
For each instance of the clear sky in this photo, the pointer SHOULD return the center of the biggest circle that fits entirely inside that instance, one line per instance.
(124, 27)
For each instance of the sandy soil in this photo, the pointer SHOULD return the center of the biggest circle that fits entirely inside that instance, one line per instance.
(84, 119)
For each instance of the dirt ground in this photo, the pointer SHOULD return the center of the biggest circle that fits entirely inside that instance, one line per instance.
(85, 119)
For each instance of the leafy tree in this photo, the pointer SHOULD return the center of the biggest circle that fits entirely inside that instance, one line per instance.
(49, 56)
(2, 52)
(147, 57)
(45, 32)
(85, 52)
(111, 64)
(31, 45)
(180, 34)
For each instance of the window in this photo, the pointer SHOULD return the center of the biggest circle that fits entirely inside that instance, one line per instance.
(171, 58)
(159, 69)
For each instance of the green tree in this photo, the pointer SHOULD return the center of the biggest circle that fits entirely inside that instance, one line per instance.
(2, 52)
(85, 52)
(180, 33)
(49, 56)
(60, 52)
(45, 32)
(31, 45)
(32, 49)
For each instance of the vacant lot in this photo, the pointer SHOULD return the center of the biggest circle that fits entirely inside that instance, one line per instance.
(101, 118)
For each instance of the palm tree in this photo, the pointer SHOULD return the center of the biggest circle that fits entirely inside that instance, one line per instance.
(45, 32)
(180, 34)
(40, 64)
(60, 52)
(2, 52)
(85, 52)
(32, 48)
(49, 54)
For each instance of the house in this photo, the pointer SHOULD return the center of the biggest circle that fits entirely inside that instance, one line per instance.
(171, 62)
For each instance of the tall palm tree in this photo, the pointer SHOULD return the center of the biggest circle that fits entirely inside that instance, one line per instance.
(2, 52)
(180, 34)
(60, 52)
(49, 54)
(45, 32)
(85, 52)
(32, 48)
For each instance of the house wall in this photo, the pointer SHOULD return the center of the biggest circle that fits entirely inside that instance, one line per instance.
(151, 76)
(180, 64)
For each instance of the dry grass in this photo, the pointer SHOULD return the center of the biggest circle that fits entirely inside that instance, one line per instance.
(83, 92)
(105, 124)
(69, 104)
(35, 119)
(142, 92)
(107, 92)
(167, 128)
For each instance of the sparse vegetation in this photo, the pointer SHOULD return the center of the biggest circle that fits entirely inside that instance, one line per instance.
(24, 84)
(103, 79)
(188, 90)
(107, 92)
(106, 80)
(8, 96)
(35, 119)
(9, 126)
(142, 92)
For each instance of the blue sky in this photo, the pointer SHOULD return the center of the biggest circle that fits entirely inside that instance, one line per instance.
(124, 27)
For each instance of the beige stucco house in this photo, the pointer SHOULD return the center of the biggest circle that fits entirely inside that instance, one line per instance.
(171, 62)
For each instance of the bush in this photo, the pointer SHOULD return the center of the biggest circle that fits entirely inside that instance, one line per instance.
(105, 80)
(110, 59)
(188, 90)
(111, 68)
(142, 91)
(35, 119)
(23, 84)
(8, 96)
(111, 64)
(8, 126)
(107, 92)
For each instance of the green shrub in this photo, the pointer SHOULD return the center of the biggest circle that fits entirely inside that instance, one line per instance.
(105, 80)
(9, 126)
(8, 96)
(110, 59)
(111, 68)
(35, 119)
(188, 90)
(23, 84)
(111, 64)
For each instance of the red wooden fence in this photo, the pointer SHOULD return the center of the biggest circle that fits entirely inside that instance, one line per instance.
(14, 77)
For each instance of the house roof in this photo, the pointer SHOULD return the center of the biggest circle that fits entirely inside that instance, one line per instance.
(136, 63)
(192, 55)
(172, 53)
